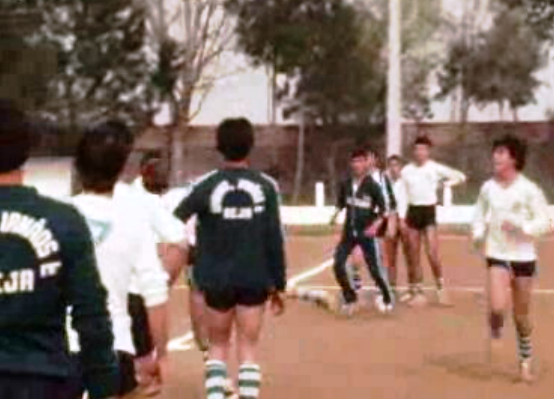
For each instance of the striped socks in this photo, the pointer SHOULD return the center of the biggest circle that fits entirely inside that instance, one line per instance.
(216, 374)
(525, 347)
(250, 378)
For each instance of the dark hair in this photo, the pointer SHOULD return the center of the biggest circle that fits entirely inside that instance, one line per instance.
(15, 137)
(370, 151)
(149, 156)
(235, 138)
(516, 147)
(102, 154)
(359, 152)
(394, 158)
(423, 140)
(155, 173)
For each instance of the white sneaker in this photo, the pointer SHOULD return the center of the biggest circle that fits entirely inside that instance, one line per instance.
(406, 297)
(418, 300)
(443, 299)
(526, 371)
(381, 306)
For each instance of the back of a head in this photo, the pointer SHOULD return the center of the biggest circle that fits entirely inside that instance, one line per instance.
(235, 139)
(155, 170)
(102, 154)
(15, 137)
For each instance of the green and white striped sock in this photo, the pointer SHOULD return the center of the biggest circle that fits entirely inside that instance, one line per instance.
(525, 347)
(250, 378)
(216, 374)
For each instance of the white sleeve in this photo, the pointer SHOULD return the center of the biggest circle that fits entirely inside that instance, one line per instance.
(540, 222)
(452, 176)
(167, 227)
(151, 278)
(479, 225)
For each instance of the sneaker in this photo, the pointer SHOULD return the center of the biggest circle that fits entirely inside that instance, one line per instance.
(383, 307)
(443, 299)
(526, 371)
(406, 297)
(418, 300)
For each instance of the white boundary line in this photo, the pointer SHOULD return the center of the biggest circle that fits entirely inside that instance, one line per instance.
(183, 343)
(476, 290)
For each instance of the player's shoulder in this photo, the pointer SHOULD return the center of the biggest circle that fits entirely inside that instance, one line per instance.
(205, 179)
(408, 168)
(268, 180)
(530, 185)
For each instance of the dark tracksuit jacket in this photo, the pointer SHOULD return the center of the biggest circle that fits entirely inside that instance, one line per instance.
(363, 207)
(239, 234)
(47, 264)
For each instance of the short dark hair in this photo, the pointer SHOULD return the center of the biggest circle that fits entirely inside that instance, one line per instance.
(235, 138)
(102, 154)
(517, 148)
(423, 140)
(394, 158)
(155, 172)
(359, 152)
(15, 137)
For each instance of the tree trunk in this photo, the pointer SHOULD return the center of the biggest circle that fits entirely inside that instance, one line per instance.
(300, 158)
(515, 114)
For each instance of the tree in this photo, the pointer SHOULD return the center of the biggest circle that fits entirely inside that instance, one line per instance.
(189, 38)
(492, 72)
(539, 15)
(328, 55)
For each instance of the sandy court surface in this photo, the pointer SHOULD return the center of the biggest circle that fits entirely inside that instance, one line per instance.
(430, 353)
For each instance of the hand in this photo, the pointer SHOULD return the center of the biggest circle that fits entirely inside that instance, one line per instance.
(373, 229)
(402, 226)
(277, 303)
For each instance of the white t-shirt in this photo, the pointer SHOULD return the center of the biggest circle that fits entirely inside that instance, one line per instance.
(172, 199)
(524, 205)
(422, 182)
(125, 247)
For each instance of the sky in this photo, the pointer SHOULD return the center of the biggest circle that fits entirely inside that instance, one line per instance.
(244, 91)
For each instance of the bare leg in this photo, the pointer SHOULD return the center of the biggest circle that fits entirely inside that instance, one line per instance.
(249, 326)
(220, 325)
(414, 262)
(498, 292)
(521, 290)
(432, 251)
(197, 316)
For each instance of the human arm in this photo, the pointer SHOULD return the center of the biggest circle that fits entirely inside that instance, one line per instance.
(87, 299)
(449, 176)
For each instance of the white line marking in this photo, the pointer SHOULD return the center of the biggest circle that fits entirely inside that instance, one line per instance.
(182, 344)
(540, 291)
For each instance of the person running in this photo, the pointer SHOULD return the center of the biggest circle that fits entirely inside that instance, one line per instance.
(125, 245)
(510, 214)
(421, 179)
(241, 258)
(365, 214)
(398, 236)
(47, 265)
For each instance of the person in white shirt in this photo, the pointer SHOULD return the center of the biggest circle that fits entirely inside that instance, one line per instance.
(398, 236)
(125, 245)
(510, 214)
(171, 238)
(420, 180)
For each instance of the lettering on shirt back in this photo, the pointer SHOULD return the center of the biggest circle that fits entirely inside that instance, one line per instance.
(41, 239)
(253, 190)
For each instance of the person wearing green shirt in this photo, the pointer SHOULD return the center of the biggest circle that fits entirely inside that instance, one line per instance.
(240, 263)
(47, 265)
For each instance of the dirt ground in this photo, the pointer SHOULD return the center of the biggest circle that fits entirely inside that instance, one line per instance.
(429, 353)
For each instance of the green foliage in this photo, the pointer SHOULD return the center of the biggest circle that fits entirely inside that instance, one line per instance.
(330, 52)
(97, 65)
(497, 66)
(539, 15)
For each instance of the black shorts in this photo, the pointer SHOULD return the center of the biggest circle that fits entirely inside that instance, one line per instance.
(227, 298)
(140, 329)
(25, 386)
(519, 269)
(420, 217)
(127, 379)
